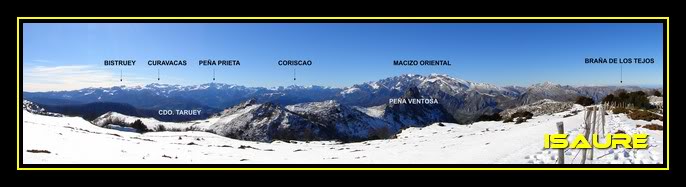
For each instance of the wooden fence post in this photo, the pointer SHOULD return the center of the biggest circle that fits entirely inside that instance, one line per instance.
(587, 130)
(593, 131)
(560, 152)
(602, 119)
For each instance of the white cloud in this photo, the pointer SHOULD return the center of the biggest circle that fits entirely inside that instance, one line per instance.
(72, 77)
(42, 61)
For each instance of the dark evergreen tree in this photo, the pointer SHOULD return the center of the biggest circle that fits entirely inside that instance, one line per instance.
(139, 126)
(584, 101)
(609, 99)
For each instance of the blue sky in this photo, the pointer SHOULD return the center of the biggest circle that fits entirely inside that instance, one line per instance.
(61, 56)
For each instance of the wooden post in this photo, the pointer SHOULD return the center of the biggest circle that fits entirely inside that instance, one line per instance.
(593, 131)
(560, 152)
(587, 130)
(602, 119)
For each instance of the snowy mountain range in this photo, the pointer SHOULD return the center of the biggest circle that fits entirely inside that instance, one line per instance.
(463, 100)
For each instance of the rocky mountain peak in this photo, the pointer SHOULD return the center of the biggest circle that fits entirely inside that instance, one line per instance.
(412, 93)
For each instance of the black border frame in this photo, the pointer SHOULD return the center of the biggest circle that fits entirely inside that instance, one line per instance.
(660, 20)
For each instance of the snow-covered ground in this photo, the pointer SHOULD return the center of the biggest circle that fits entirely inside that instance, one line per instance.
(74, 140)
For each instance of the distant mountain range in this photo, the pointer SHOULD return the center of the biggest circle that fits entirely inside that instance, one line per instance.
(462, 100)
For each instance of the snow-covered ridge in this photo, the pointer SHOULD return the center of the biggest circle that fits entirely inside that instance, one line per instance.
(33, 108)
(324, 120)
(106, 120)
